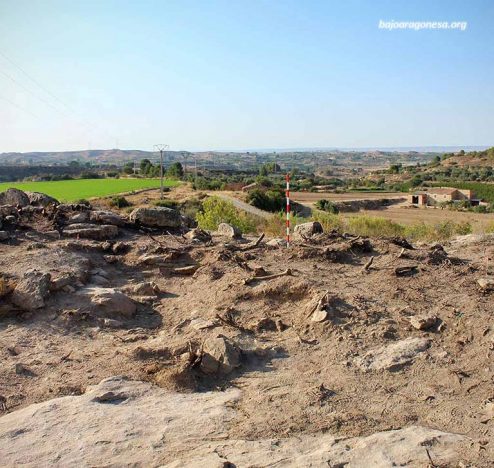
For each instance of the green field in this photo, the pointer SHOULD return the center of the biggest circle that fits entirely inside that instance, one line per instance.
(71, 190)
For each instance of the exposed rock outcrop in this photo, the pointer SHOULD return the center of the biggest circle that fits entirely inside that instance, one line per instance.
(143, 425)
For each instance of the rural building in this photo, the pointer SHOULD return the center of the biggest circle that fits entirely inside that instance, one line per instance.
(435, 196)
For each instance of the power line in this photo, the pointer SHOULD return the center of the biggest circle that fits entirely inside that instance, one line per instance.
(89, 125)
(29, 91)
(19, 107)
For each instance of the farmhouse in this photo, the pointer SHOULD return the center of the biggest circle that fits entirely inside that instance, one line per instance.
(435, 196)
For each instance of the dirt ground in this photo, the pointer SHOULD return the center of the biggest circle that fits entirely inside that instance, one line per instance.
(311, 197)
(298, 375)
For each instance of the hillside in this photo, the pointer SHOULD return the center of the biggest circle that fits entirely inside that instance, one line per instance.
(162, 345)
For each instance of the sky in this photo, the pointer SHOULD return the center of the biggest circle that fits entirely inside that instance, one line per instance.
(233, 75)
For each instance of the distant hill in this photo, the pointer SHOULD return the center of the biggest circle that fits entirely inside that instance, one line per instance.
(114, 156)
(473, 158)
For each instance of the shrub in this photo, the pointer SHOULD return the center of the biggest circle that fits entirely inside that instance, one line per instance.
(191, 207)
(373, 226)
(216, 211)
(175, 170)
(120, 202)
(167, 203)
(82, 201)
(439, 232)
(329, 221)
(269, 200)
(276, 225)
(327, 205)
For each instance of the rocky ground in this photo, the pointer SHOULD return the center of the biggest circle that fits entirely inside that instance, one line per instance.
(140, 341)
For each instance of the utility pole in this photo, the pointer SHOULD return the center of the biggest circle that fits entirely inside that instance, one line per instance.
(161, 148)
(184, 156)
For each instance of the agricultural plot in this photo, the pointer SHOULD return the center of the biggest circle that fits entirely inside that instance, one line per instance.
(71, 190)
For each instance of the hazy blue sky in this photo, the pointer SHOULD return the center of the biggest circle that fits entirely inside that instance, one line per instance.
(243, 74)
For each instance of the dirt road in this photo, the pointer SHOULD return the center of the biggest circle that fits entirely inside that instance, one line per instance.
(242, 205)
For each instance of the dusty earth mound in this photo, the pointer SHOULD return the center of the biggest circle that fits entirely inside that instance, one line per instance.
(341, 351)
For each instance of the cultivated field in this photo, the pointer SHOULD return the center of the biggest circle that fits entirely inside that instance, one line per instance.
(71, 190)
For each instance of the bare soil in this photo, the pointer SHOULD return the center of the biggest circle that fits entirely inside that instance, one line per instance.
(297, 376)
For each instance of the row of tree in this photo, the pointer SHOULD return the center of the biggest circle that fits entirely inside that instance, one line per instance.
(148, 169)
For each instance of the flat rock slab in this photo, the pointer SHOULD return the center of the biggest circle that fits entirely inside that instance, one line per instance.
(112, 303)
(161, 217)
(107, 217)
(393, 356)
(127, 423)
(91, 231)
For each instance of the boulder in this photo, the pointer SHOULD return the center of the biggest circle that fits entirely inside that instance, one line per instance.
(160, 217)
(220, 356)
(122, 422)
(305, 230)
(228, 230)
(394, 356)
(112, 302)
(15, 197)
(486, 284)
(31, 291)
(91, 231)
(41, 199)
(423, 322)
(107, 217)
(4, 235)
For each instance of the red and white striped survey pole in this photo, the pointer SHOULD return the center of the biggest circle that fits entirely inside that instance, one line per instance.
(287, 194)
